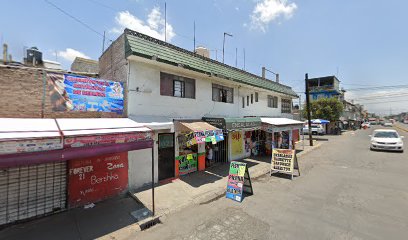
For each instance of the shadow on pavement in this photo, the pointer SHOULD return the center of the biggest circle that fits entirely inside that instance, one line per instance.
(79, 223)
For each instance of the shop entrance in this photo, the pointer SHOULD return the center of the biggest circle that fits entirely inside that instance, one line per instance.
(166, 156)
(220, 151)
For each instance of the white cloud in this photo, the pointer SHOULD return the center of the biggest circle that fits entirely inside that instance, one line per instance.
(268, 11)
(154, 26)
(70, 54)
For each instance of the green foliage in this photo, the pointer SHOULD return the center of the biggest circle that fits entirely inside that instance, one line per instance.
(325, 108)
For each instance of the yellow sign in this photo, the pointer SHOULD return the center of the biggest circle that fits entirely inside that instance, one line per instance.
(236, 143)
(283, 160)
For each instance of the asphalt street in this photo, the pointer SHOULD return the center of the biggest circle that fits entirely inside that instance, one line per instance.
(345, 191)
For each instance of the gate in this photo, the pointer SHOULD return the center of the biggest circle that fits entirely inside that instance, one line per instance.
(220, 150)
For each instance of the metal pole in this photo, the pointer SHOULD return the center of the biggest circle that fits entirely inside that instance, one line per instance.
(103, 42)
(165, 22)
(236, 57)
(309, 120)
(223, 47)
(244, 59)
(153, 210)
(194, 50)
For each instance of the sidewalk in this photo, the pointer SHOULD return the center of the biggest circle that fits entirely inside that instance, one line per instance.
(205, 186)
(112, 219)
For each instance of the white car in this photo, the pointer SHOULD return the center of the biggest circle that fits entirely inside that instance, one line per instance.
(386, 139)
(316, 129)
(388, 124)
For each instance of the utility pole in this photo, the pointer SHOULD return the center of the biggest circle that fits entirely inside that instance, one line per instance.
(309, 119)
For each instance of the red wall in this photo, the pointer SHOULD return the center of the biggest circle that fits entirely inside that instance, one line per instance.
(97, 178)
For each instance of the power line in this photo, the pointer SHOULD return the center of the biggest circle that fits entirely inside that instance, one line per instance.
(74, 18)
(377, 88)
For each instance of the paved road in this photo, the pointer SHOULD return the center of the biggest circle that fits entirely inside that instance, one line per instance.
(346, 191)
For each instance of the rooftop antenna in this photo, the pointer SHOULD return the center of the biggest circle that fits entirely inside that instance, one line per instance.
(194, 39)
(165, 22)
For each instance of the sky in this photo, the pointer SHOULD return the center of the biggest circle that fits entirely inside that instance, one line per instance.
(364, 43)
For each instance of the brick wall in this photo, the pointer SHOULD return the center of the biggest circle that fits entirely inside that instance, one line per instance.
(27, 93)
(113, 65)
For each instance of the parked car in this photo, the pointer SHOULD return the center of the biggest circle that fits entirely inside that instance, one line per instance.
(317, 129)
(366, 124)
(386, 139)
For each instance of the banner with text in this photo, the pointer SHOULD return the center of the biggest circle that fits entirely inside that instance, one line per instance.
(283, 160)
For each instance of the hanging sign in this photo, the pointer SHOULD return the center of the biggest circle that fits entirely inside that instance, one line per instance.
(238, 181)
(187, 163)
(284, 161)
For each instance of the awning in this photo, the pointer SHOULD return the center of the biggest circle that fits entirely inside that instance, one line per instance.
(280, 124)
(29, 141)
(154, 122)
(198, 132)
(235, 124)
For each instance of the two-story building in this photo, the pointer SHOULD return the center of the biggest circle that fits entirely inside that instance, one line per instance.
(325, 87)
(174, 92)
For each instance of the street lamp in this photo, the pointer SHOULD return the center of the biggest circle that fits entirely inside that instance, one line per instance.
(223, 45)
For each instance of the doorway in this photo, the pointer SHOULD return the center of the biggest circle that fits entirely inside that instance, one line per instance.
(166, 156)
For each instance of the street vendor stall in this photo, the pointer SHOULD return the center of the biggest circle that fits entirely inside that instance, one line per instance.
(281, 133)
(192, 138)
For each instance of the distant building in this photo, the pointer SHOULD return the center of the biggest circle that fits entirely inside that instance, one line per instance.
(325, 87)
(85, 65)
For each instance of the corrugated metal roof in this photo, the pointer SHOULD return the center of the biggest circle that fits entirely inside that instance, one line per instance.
(145, 46)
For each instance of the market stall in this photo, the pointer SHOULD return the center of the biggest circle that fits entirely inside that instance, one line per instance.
(280, 133)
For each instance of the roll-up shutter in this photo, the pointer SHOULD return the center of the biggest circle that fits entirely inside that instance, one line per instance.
(32, 191)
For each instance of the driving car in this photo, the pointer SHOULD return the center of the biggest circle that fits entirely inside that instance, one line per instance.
(317, 129)
(366, 124)
(386, 139)
(387, 124)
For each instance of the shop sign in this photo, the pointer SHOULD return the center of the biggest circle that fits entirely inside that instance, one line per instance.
(284, 161)
(97, 178)
(198, 137)
(238, 181)
(242, 125)
(216, 122)
(37, 145)
(187, 163)
(80, 93)
(87, 141)
(236, 143)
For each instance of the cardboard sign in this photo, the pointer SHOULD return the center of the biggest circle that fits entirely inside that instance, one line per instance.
(238, 181)
(284, 161)
(94, 179)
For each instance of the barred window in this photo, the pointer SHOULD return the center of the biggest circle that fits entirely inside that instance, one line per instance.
(222, 94)
(272, 102)
(286, 105)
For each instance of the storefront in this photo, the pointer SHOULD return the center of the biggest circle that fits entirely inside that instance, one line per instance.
(49, 165)
(193, 141)
(243, 135)
(280, 133)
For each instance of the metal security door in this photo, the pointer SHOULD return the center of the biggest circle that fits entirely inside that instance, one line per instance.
(166, 156)
(31, 191)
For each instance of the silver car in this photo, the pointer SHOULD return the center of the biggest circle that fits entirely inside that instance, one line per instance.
(386, 139)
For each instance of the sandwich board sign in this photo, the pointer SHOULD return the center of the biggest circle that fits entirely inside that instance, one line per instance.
(239, 181)
(284, 161)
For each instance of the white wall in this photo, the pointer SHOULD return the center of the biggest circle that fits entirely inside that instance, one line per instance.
(144, 95)
(140, 165)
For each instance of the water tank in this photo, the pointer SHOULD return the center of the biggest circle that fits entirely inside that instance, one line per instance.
(203, 52)
(33, 53)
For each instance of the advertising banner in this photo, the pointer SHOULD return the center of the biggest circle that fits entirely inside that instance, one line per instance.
(283, 161)
(187, 163)
(95, 140)
(79, 93)
(238, 181)
(97, 178)
(236, 143)
(37, 145)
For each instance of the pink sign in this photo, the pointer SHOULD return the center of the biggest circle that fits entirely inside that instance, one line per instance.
(86, 141)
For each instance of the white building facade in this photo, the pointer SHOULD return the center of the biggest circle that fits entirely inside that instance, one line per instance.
(166, 84)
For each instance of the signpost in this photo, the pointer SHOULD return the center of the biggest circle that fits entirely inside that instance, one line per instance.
(284, 161)
(238, 181)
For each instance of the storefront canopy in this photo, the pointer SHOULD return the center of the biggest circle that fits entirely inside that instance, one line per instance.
(31, 141)
(235, 124)
(280, 124)
(197, 126)
(154, 122)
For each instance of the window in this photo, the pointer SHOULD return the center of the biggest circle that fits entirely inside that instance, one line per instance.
(286, 106)
(176, 86)
(247, 100)
(243, 102)
(272, 102)
(256, 97)
(222, 94)
(252, 98)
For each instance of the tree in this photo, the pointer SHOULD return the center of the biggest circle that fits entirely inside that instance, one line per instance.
(325, 108)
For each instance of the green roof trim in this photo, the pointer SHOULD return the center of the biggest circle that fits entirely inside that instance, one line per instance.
(141, 45)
